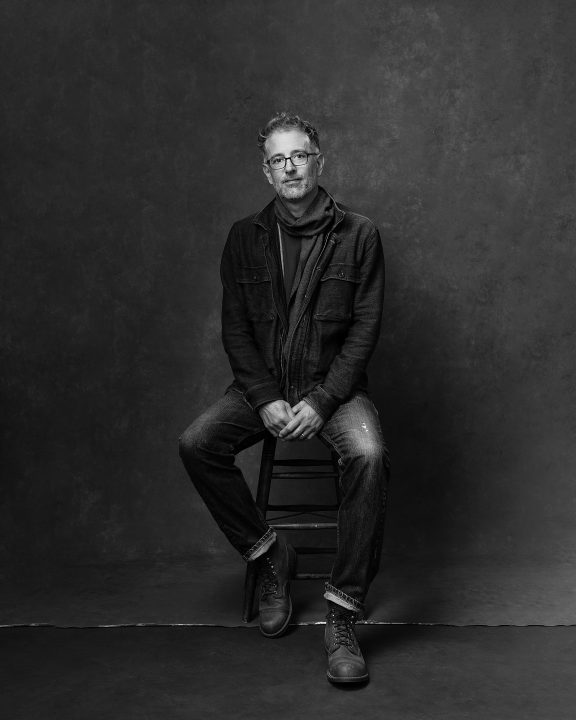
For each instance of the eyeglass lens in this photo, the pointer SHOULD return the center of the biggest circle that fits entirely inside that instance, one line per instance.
(278, 162)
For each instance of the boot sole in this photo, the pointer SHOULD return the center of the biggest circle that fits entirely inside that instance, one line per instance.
(338, 681)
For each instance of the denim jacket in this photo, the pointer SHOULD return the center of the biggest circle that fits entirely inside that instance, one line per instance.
(320, 352)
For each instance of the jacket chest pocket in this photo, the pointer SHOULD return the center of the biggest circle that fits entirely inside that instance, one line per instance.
(256, 287)
(336, 293)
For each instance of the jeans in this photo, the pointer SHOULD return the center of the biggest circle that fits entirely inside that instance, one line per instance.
(208, 448)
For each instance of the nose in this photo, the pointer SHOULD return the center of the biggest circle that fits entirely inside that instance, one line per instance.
(290, 168)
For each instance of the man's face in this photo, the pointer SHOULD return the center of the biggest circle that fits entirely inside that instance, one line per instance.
(293, 183)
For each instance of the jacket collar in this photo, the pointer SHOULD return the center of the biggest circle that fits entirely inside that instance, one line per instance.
(266, 218)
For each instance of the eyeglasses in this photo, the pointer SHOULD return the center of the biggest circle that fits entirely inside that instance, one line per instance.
(278, 162)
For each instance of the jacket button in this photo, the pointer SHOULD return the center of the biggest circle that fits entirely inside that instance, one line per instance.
(341, 273)
(254, 277)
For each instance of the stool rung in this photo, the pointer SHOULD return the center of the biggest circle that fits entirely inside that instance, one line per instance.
(314, 550)
(304, 526)
(312, 576)
(300, 462)
(302, 508)
(304, 474)
(298, 473)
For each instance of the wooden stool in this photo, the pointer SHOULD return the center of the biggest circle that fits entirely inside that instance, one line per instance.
(298, 468)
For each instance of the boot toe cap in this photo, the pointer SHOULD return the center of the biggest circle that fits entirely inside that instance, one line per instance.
(274, 622)
(347, 669)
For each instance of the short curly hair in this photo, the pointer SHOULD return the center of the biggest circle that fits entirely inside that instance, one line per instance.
(287, 121)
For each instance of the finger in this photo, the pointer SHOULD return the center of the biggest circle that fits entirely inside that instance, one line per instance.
(298, 407)
(274, 428)
(289, 427)
(294, 434)
(307, 431)
(280, 422)
(289, 412)
(274, 425)
(300, 432)
(295, 438)
(286, 420)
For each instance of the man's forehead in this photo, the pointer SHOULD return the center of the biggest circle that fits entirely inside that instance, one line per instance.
(285, 141)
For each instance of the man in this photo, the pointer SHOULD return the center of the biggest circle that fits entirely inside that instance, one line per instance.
(303, 284)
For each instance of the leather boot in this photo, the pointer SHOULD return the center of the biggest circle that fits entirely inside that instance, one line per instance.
(345, 661)
(275, 568)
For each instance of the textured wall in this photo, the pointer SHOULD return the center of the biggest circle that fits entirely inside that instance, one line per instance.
(128, 137)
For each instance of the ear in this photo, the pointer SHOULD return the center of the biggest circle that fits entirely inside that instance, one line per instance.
(320, 164)
(266, 171)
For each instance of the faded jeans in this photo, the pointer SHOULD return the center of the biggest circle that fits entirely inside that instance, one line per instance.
(208, 448)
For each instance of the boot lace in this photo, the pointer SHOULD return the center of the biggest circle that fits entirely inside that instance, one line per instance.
(343, 627)
(268, 579)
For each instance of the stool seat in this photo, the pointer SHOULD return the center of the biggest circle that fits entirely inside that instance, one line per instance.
(291, 469)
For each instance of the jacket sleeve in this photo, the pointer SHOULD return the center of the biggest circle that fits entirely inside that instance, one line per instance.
(246, 360)
(349, 365)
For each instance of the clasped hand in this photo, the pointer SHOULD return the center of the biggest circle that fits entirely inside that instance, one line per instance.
(300, 422)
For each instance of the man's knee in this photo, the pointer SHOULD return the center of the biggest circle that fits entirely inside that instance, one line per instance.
(202, 441)
(368, 451)
(190, 443)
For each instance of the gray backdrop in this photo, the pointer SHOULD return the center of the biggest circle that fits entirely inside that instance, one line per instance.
(129, 149)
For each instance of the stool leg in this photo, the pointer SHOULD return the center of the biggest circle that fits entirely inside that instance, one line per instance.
(262, 496)
(265, 478)
(337, 487)
(249, 592)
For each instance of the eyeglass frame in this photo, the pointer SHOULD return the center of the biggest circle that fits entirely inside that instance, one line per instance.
(289, 157)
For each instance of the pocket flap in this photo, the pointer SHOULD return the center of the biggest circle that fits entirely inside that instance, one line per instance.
(341, 271)
(253, 274)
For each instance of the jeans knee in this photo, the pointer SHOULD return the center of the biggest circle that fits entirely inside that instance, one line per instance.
(201, 443)
(370, 453)
(189, 444)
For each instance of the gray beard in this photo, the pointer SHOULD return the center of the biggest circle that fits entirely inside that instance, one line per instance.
(295, 193)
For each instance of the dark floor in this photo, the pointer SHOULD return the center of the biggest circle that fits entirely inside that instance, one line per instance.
(199, 672)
